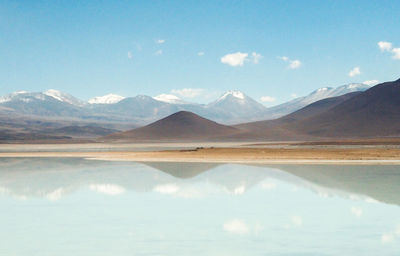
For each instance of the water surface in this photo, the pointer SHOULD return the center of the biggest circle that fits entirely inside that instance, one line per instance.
(83, 207)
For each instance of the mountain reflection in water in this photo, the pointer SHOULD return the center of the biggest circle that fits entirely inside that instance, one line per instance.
(71, 206)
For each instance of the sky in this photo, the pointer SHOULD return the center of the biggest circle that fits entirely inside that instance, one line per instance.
(270, 50)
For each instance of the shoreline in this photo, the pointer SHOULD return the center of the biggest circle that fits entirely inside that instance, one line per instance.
(368, 156)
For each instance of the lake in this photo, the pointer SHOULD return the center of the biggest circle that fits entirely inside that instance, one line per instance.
(84, 207)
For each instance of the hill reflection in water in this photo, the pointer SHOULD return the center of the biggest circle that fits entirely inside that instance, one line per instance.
(85, 207)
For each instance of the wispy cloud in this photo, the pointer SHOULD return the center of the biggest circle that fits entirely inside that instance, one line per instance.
(385, 46)
(160, 41)
(130, 55)
(396, 53)
(234, 59)
(355, 72)
(240, 58)
(293, 64)
(159, 52)
(256, 57)
(388, 47)
(188, 92)
(268, 99)
(200, 53)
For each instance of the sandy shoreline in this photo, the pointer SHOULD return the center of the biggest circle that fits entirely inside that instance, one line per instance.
(236, 155)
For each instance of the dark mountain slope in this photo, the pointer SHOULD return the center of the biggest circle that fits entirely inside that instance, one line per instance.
(373, 113)
(284, 128)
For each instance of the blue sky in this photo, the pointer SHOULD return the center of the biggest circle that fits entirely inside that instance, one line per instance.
(91, 48)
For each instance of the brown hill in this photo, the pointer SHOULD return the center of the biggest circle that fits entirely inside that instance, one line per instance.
(285, 128)
(181, 126)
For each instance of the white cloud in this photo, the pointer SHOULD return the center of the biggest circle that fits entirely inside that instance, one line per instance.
(356, 211)
(293, 64)
(284, 58)
(396, 53)
(293, 95)
(236, 226)
(188, 92)
(130, 55)
(166, 189)
(108, 189)
(200, 53)
(256, 57)
(388, 47)
(234, 59)
(355, 72)
(371, 82)
(385, 46)
(160, 41)
(267, 99)
(159, 52)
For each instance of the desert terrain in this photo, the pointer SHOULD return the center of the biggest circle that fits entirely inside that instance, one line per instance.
(327, 152)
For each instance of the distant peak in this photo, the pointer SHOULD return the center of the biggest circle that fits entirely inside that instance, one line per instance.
(63, 97)
(106, 99)
(54, 93)
(236, 94)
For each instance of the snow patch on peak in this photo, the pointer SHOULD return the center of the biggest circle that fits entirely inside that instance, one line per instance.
(353, 86)
(106, 99)
(54, 93)
(63, 97)
(12, 96)
(169, 98)
(236, 94)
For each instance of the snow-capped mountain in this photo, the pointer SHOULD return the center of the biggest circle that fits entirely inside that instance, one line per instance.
(238, 95)
(232, 107)
(319, 94)
(41, 104)
(64, 97)
(106, 99)
(236, 106)
(15, 96)
(169, 98)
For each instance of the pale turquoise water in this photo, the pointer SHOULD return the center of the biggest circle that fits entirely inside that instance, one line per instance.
(82, 207)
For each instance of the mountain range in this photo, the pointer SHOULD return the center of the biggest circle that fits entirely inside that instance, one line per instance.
(48, 112)
(372, 113)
